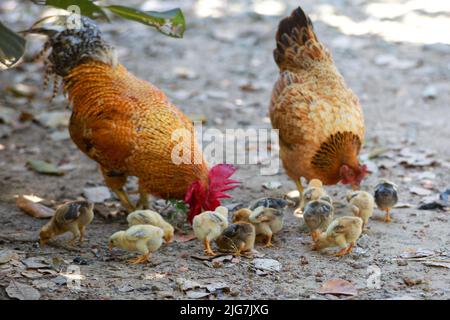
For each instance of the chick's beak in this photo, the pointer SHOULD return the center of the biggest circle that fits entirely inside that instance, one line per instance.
(110, 246)
(42, 242)
(168, 239)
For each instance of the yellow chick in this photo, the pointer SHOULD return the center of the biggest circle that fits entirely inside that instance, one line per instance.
(361, 204)
(313, 191)
(318, 214)
(143, 238)
(237, 238)
(342, 232)
(153, 218)
(267, 221)
(209, 225)
(70, 217)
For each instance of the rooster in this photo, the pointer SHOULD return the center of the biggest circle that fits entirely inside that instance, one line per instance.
(320, 122)
(128, 126)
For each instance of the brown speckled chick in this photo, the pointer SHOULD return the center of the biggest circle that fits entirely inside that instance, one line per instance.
(237, 238)
(70, 217)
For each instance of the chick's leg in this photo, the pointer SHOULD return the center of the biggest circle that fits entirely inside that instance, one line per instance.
(208, 250)
(342, 243)
(240, 249)
(141, 259)
(82, 233)
(75, 234)
(387, 218)
(115, 181)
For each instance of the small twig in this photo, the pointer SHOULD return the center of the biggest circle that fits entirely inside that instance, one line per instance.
(60, 245)
(11, 238)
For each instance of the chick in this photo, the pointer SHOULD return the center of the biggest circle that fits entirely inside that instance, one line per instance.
(153, 218)
(209, 225)
(386, 196)
(313, 192)
(144, 239)
(361, 204)
(342, 232)
(238, 237)
(275, 203)
(70, 217)
(267, 221)
(318, 214)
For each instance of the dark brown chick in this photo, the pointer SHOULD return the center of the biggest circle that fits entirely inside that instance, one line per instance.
(386, 196)
(237, 238)
(70, 217)
(318, 214)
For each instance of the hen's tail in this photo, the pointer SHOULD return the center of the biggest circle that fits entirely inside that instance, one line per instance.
(297, 44)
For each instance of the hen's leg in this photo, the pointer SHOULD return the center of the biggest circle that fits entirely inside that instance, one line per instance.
(299, 211)
(115, 181)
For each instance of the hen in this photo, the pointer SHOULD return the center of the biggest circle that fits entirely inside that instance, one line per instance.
(320, 122)
(128, 126)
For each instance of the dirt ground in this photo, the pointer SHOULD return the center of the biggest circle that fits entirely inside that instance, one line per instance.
(394, 54)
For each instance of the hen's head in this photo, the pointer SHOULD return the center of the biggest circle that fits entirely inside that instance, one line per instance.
(201, 196)
(352, 174)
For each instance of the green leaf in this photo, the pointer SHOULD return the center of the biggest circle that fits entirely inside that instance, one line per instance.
(87, 7)
(179, 205)
(170, 23)
(44, 167)
(12, 47)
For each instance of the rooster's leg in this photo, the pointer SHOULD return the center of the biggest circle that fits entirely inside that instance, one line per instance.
(143, 201)
(124, 200)
(115, 180)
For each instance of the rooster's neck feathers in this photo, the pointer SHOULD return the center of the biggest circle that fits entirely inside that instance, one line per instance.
(71, 46)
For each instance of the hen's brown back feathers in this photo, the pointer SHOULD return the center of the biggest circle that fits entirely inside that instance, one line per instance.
(297, 44)
(319, 119)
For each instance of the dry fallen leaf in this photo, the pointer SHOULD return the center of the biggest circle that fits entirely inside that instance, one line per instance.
(184, 237)
(22, 291)
(44, 167)
(338, 287)
(420, 191)
(8, 255)
(33, 208)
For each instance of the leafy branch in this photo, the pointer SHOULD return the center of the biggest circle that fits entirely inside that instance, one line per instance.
(170, 23)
